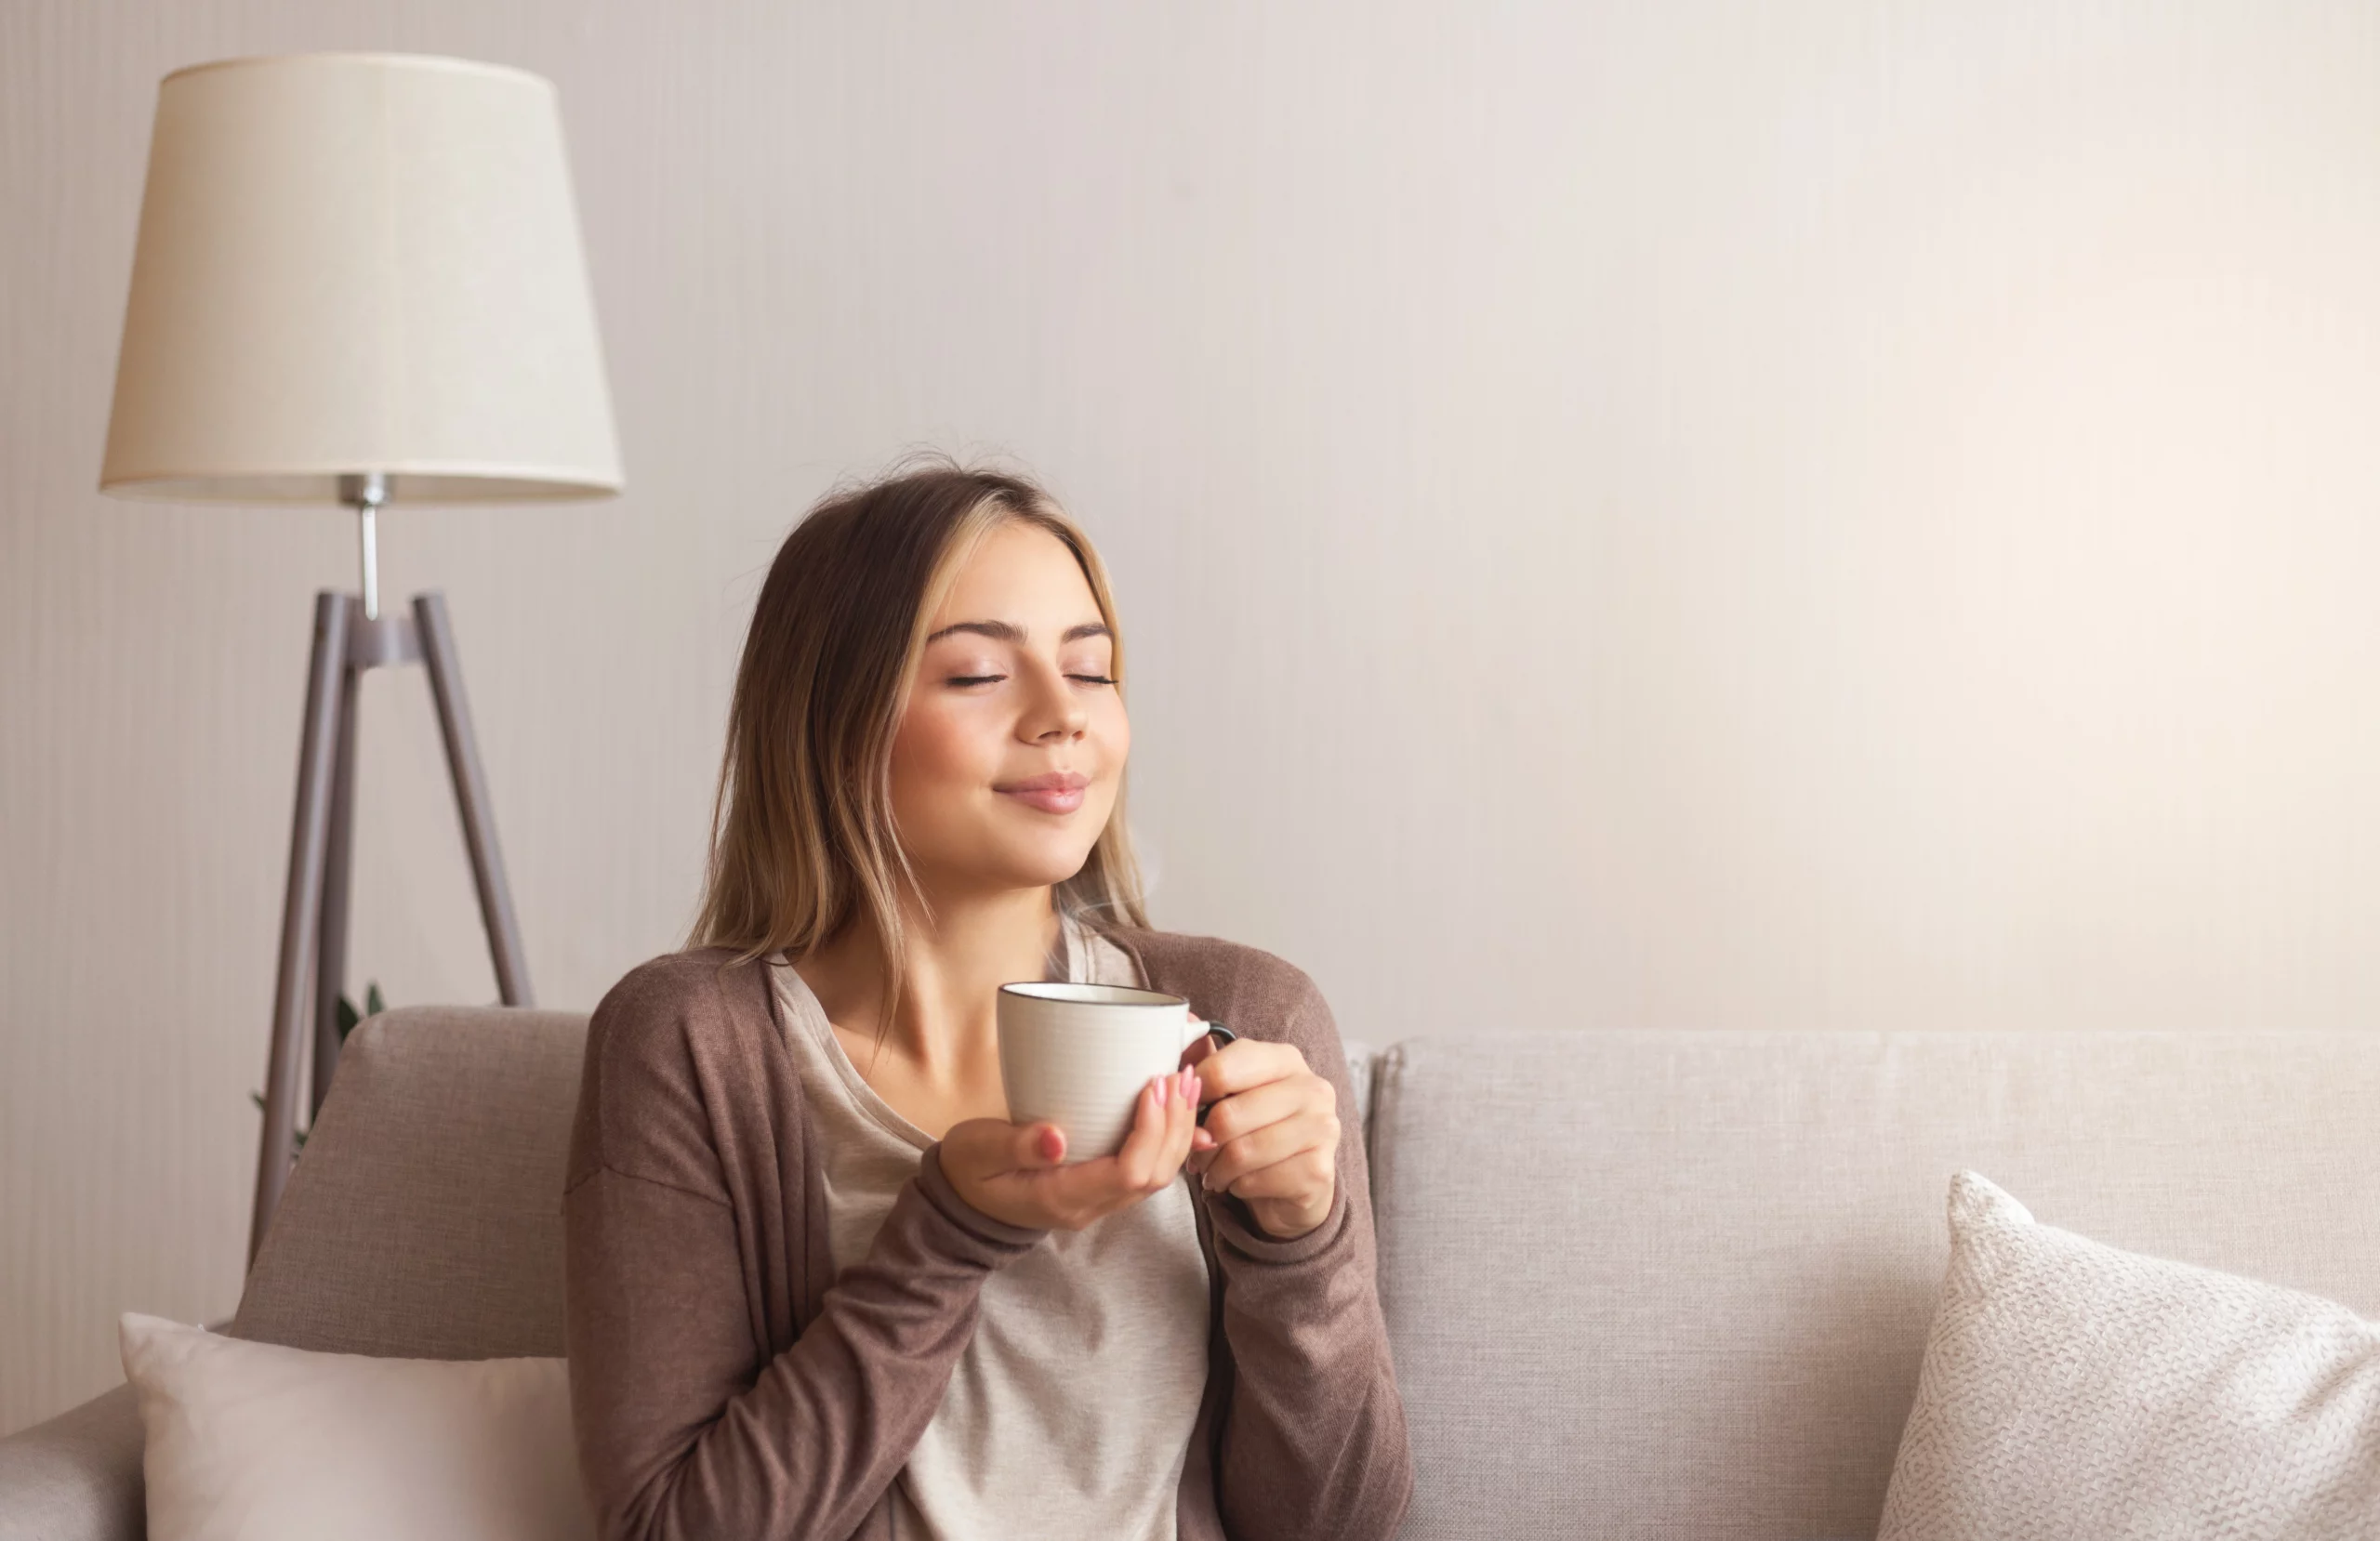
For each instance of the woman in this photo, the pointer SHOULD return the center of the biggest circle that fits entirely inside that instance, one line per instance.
(817, 1286)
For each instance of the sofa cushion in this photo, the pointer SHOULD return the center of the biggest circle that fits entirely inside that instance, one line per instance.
(423, 1218)
(262, 1441)
(1678, 1284)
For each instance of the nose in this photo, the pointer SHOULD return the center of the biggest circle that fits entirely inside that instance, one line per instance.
(1056, 710)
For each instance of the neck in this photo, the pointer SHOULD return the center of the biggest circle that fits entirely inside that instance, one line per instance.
(946, 1024)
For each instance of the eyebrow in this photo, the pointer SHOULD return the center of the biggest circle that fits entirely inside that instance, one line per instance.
(1008, 631)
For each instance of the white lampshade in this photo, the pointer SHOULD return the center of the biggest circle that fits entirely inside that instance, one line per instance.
(352, 263)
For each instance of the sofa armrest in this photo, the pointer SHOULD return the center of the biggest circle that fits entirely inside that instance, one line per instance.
(77, 1477)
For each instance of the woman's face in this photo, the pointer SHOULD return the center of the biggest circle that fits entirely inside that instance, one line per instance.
(1013, 685)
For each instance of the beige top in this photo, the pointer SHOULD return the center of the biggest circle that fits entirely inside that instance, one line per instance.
(1071, 1408)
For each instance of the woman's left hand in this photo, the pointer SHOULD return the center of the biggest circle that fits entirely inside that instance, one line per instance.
(1270, 1134)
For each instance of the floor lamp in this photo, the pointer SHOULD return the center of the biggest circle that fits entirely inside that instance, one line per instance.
(358, 281)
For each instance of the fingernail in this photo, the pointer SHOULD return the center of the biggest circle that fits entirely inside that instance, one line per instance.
(1156, 1090)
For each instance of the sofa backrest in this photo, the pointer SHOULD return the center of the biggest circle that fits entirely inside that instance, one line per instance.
(1665, 1284)
(1678, 1284)
(423, 1217)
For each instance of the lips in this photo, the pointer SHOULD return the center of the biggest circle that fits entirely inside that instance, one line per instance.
(1056, 792)
(1055, 781)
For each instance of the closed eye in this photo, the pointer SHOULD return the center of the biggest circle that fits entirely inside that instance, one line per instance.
(988, 678)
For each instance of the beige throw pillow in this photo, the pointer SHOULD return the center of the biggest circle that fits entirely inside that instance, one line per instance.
(265, 1442)
(2072, 1390)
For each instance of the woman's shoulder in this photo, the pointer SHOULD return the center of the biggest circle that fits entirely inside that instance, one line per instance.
(660, 1087)
(1232, 976)
(681, 1003)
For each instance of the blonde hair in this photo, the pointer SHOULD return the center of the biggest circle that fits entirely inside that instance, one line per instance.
(802, 841)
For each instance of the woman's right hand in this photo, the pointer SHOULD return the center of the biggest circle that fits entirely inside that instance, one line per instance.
(1012, 1171)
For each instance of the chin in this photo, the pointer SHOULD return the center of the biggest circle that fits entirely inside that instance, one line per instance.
(1038, 867)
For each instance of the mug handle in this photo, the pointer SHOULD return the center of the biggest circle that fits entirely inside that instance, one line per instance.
(1216, 1031)
(1221, 1035)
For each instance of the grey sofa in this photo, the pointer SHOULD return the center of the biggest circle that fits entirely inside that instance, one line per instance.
(1638, 1283)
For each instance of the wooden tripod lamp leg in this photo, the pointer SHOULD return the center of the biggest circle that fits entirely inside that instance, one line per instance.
(471, 795)
(291, 996)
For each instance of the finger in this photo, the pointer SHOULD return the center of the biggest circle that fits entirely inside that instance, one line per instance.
(1137, 1161)
(1246, 1062)
(1029, 1147)
(1274, 1142)
(1202, 1151)
(1181, 1117)
(1308, 1172)
(995, 1144)
(1198, 1049)
(1269, 1103)
(1180, 1123)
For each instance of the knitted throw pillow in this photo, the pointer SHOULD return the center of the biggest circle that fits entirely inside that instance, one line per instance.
(2073, 1389)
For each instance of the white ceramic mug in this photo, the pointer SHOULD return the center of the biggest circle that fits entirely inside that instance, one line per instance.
(1078, 1055)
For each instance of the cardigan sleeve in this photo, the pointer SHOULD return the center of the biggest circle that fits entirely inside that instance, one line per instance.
(1311, 1441)
(677, 1437)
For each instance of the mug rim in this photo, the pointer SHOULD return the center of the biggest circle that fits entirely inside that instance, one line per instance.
(1030, 990)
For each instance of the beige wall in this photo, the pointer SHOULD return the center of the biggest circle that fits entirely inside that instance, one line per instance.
(1689, 514)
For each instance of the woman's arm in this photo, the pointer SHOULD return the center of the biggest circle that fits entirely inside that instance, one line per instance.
(678, 1438)
(1313, 1438)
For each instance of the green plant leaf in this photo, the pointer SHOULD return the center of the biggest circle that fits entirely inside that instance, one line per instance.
(349, 1016)
(258, 1098)
(347, 1019)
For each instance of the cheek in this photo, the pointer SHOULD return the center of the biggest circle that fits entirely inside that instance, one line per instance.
(1119, 748)
(936, 751)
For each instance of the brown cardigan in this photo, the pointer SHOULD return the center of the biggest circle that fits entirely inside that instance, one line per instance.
(720, 1388)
